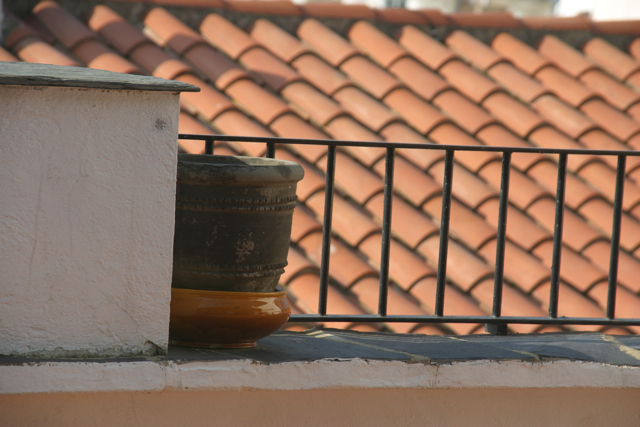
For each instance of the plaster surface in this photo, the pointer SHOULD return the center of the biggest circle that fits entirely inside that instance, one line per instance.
(87, 184)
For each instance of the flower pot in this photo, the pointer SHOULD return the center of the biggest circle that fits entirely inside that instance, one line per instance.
(216, 319)
(233, 222)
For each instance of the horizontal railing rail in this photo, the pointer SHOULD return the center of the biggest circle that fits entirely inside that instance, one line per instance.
(495, 323)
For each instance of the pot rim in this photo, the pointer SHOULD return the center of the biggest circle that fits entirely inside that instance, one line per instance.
(246, 295)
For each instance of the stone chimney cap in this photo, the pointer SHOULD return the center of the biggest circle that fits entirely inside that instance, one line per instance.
(28, 74)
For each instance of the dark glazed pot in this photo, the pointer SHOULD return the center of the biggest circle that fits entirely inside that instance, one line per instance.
(233, 222)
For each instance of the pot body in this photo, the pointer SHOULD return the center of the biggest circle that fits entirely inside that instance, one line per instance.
(225, 319)
(233, 222)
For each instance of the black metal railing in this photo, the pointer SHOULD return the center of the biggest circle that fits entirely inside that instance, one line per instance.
(496, 323)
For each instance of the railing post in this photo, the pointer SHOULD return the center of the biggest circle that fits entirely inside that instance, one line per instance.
(615, 237)
(271, 150)
(444, 232)
(386, 231)
(326, 230)
(499, 328)
(557, 237)
(208, 146)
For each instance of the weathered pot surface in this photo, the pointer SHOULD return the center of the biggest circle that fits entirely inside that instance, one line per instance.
(233, 222)
(215, 319)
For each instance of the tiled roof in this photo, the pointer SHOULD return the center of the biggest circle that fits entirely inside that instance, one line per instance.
(325, 70)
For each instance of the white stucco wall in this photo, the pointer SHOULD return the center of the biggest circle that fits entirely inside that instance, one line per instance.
(87, 200)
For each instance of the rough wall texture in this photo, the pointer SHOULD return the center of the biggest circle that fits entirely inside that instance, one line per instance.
(87, 184)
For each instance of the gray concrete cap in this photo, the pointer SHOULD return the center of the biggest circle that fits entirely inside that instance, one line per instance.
(28, 74)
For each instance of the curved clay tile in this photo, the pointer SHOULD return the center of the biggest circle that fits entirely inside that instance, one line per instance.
(628, 266)
(521, 228)
(600, 140)
(427, 50)
(399, 132)
(634, 110)
(571, 303)
(337, 10)
(276, 40)
(399, 15)
(516, 116)
(313, 181)
(158, 62)
(361, 184)
(326, 43)
(603, 178)
(611, 119)
(216, 66)
(600, 212)
(225, 36)
(258, 7)
(320, 74)
(411, 182)
(188, 124)
(498, 135)
(564, 87)
(6, 56)
(564, 56)
(369, 76)
(364, 108)
(270, 69)
(467, 114)
(520, 267)
(375, 44)
(550, 137)
(611, 58)
(467, 187)
(522, 190)
(414, 110)
(297, 264)
(169, 31)
(473, 50)
(484, 20)
(577, 191)
(614, 92)
(97, 55)
(519, 53)
(115, 29)
(566, 118)
(303, 224)
(410, 225)
(292, 126)
(627, 303)
(575, 269)
(418, 78)
(32, 49)
(471, 83)
(319, 107)
(263, 105)
(516, 82)
(448, 133)
(208, 103)
(66, 28)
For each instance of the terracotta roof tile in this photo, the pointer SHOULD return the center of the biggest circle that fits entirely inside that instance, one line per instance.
(448, 133)
(473, 84)
(616, 27)
(603, 178)
(321, 108)
(405, 267)
(628, 266)
(420, 115)
(418, 78)
(225, 36)
(600, 212)
(614, 92)
(398, 15)
(313, 181)
(516, 116)
(362, 183)
(349, 222)
(556, 23)
(19, 33)
(158, 62)
(364, 108)
(374, 43)
(411, 182)
(276, 40)
(467, 187)
(464, 268)
(215, 66)
(566, 118)
(485, 19)
(188, 124)
(369, 76)
(97, 55)
(473, 50)
(345, 128)
(577, 191)
(122, 35)
(550, 137)
(263, 105)
(611, 119)
(516, 82)
(6, 56)
(611, 58)
(270, 69)
(32, 49)
(397, 302)
(345, 266)
(169, 31)
(297, 265)
(434, 16)
(208, 103)
(290, 125)
(522, 55)
(466, 225)
(634, 48)
(627, 304)
(564, 87)
(329, 45)
(600, 140)
(467, 114)
(634, 110)
(519, 266)
(499, 136)
(67, 29)
(35, 25)
(320, 74)
(564, 56)
(522, 190)
(574, 269)
(257, 7)
(336, 10)
(570, 303)
(427, 50)
(303, 224)
(399, 132)
(409, 224)
(521, 228)
(514, 303)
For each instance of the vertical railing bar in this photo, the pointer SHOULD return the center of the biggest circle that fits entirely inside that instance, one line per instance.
(615, 237)
(208, 146)
(326, 229)
(386, 231)
(502, 233)
(444, 232)
(557, 237)
(271, 150)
